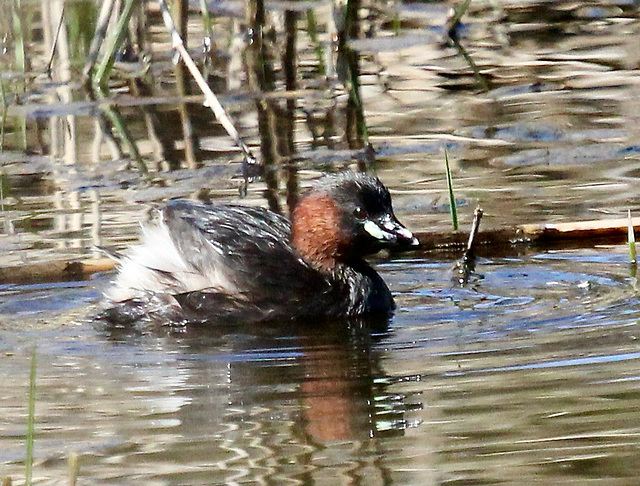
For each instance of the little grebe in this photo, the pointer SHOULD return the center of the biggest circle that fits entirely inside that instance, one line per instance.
(231, 262)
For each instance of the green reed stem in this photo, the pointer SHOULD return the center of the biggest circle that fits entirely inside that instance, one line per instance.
(452, 199)
(31, 421)
(54, 43)
(3, 113)
(396, 24)
(1, 191)
(101, 74)
(459, 12)
(312, 32)
(452, 29)
(122, 133)
(474, 67)
(74, 468)
(632, 241)
(20, 60)
(208, 39)
(351, 30)
(99, 34)
(18, 34)
(206, 20)
(354, 94)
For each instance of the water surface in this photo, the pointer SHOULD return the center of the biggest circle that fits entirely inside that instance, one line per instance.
(528, 374)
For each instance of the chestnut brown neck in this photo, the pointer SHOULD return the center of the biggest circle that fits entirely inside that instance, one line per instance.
(315, 226)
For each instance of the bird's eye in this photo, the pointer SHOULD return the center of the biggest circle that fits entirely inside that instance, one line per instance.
(359, 212)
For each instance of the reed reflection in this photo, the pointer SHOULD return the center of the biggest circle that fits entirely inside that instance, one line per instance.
(276, 394)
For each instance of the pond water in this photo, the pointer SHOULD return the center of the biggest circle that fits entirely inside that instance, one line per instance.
(529, 374)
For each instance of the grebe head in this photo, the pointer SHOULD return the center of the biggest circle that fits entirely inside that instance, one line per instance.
(344, 217)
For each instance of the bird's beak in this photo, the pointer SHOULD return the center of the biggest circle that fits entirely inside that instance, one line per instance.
(389, 230)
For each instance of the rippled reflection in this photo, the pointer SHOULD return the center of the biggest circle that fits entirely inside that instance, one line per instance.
(531, 375)
(528, 375)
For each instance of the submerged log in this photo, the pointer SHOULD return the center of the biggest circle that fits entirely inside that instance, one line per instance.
(58, 271)
(581, 233)
(501, 240)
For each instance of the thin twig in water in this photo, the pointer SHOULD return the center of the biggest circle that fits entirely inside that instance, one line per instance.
(465, 267)
(210, 97)
(475, 227)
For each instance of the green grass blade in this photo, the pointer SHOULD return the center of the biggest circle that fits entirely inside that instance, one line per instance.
(31, 421)
(452, 199)
(632, 241)
(74, 469)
